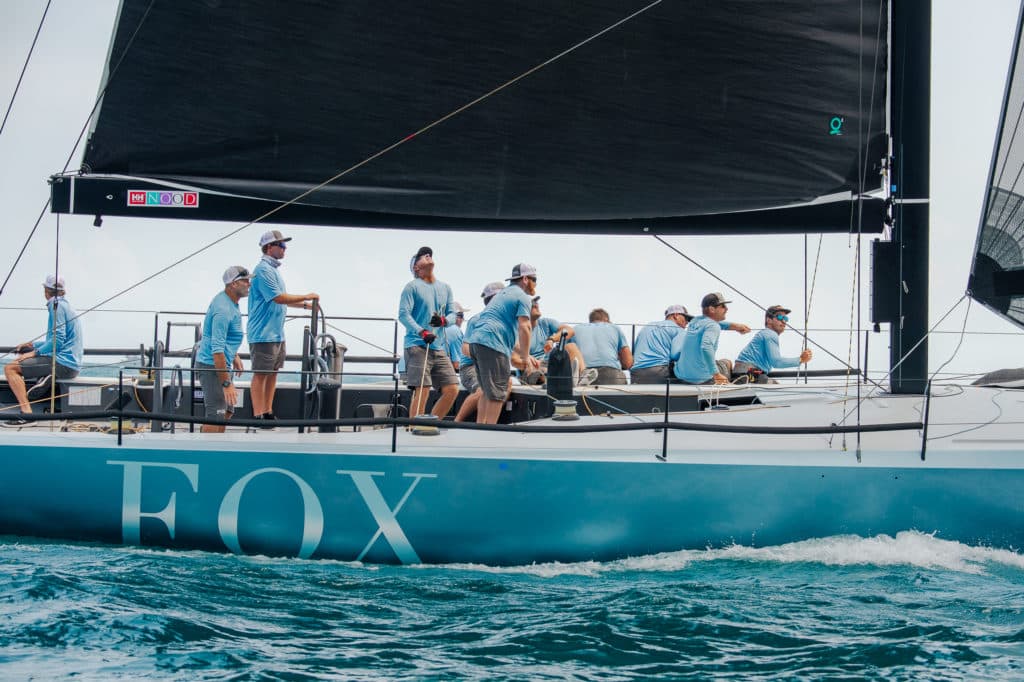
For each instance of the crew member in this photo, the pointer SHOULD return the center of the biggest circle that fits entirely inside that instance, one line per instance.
(762, 354)
(218, 349)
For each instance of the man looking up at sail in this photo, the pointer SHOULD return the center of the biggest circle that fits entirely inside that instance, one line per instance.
(423, 309)
(218, 349)
(762, 354)
(694, 350)
(503, 328)
(268, 302)
(63, 342)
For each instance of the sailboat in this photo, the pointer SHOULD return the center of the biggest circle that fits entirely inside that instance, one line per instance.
(665, 119)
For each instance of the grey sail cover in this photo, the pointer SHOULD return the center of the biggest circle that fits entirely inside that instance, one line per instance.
(688, 110)
(997, 274)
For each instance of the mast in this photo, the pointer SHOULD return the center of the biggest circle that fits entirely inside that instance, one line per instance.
(910, 111)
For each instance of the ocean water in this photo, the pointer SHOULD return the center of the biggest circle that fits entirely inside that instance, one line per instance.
(906, 607)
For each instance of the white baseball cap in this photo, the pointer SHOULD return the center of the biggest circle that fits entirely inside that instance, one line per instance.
(522, 270)
(273, 236)
(54, 282)
(235, 273)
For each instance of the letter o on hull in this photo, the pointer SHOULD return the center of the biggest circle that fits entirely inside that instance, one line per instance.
(312, 517)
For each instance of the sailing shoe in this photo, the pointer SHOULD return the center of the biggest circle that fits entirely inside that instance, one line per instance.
(17, 422)
(588, 377)
(268, 421)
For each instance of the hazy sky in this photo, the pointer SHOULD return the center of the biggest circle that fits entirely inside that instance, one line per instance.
(361, 272)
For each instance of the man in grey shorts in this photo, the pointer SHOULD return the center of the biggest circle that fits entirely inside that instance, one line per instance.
(267, 307)
(423, 309)
(504, 328)
(218, 348)
(36, 360)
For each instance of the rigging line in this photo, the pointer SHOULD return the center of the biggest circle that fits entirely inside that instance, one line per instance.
(959, 343)
(24, 246)
(24, 66)
(368, 343)
(905, 356)
(991, 421)
(356, 166)
(756, 304)
(110, 79)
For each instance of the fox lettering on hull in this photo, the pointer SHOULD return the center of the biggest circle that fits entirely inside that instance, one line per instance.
(314, 521)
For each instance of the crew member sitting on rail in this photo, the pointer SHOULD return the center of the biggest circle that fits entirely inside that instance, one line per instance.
(604, 348)
(762, 354)
(218, 348)
(652, 352)
(35, 359)
(694, 350)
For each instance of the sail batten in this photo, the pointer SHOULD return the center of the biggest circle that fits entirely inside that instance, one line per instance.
(683, 112)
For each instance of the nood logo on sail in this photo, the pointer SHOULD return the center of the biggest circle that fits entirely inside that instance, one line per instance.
(163, 199)
(313, 523)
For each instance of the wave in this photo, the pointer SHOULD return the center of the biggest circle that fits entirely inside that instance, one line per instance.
(907, 548)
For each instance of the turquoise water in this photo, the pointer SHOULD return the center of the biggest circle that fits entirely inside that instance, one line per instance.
(909, 607)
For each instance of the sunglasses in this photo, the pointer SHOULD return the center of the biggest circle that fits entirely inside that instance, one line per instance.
(782, 318)
(283, 245)
(532, 278)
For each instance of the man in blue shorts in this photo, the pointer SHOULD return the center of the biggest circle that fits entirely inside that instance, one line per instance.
(218, 349)
(762, 354)
(504, 328)
(423, 309)
(268, 304)
(35, 361)
(694, 350)
(604, 348)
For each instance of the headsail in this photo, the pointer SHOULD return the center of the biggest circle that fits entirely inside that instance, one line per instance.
(681, 117)
(997, 274)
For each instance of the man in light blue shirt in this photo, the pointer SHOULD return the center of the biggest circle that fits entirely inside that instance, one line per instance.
(218, 348)
(604, 347)
(652, 352)
(504, 328)
(423, 309)
(694, 350)
(268, 303)
(35, 361)
(467, 370)
(762, 354)
(454, 335)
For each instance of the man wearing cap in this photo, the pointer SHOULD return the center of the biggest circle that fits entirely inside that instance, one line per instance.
(35, 359)
(454, 335)
(652, 351)
(218, 349)
(545, 336)
(423, 309)
(268, 301)
(762, 354)
(504, 328)
(467, 370)
(604, 348)
(694, 350)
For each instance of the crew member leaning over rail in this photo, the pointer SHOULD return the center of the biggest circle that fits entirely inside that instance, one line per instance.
(693, 351)
(218, 349)
(35, 360)
(762, 354)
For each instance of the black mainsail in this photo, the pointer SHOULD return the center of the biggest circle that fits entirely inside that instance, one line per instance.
(997, 274)
(681, 117)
